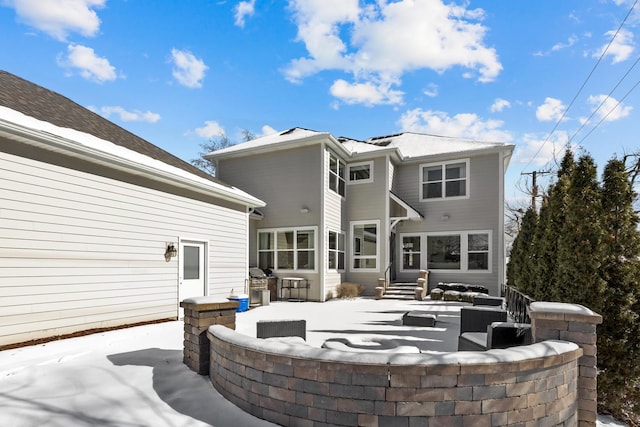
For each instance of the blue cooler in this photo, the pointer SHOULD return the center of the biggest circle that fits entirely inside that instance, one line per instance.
(242, 299)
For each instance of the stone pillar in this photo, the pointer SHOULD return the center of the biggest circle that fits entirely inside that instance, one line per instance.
(421, 289)
(199, 314)
(577, 324)
(379, 292)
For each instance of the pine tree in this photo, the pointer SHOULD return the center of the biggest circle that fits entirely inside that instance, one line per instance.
(550, 228)
(545, 255)
(620, 269)
(579, 258)
(519, 270)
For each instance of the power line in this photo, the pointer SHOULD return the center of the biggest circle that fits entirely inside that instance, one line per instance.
(583, 84)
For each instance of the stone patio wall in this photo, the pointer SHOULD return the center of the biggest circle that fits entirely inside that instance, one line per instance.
(295, 384)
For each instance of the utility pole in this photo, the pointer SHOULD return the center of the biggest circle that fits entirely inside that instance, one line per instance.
(534, 190)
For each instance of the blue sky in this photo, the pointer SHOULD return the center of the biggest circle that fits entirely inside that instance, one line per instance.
(530, 73)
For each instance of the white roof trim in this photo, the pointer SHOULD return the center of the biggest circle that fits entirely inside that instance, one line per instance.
(412, 214)
(17, 126)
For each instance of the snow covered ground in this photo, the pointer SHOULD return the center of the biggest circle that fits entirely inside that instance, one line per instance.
(135, 376)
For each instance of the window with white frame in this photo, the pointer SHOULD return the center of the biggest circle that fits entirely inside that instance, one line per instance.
(411, 252)
(360, 172)
(336, 250)
(444, 181)
(336, 174)
(287, 249)
(478, 250)
(364, 245)
(464, 251)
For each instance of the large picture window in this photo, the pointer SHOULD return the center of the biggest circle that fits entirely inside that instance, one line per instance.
(336, 251)
(336, 174)
(461, 251)
(364, 245)
(444, 181)
(287, 249)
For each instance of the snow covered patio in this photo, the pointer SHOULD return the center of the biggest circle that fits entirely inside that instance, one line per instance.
(135, 377)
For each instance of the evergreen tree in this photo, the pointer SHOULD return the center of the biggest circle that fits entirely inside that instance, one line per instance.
(579, 258)
(618, 335)
(519, 270)
(550, 228)
(544, 255)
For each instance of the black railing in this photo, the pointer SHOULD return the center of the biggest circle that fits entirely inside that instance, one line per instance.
(517, 303)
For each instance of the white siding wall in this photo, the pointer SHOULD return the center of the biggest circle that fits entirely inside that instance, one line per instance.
(79, 251)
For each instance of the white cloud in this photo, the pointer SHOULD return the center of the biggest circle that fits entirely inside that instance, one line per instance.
(537, 152)
(367, 93)
(58, 18)
(431, 90)
(499, 105)
(621, 48)
(188, 70)
(466, 125)
(266, 130)
(380, 42)
(211, 129)
(559, 46)
(610, 111)
(128, 116)
(551, 110)
(244, 9)
(89, 65)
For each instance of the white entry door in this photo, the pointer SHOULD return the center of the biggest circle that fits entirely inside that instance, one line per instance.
(192, 280)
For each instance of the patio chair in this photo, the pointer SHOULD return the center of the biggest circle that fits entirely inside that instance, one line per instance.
(474, 322)
(281, 328)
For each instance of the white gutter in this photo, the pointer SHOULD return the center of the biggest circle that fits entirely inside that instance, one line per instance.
(168, 174)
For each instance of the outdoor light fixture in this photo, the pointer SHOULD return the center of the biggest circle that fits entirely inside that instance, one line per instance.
(170, 252)
(445, 217)
(304, 210)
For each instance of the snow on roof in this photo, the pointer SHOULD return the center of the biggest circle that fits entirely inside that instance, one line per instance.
(278, 138)
(413, 145)
(108, 148)
(408, 145)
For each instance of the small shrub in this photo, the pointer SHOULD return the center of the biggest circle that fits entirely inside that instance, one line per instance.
(452, 296)
(436, 294)
(349, 290)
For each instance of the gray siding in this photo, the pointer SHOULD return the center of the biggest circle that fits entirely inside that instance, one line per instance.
(80, 251)
(481, 211)
(335, 219)
(366, 202)
(287, 180)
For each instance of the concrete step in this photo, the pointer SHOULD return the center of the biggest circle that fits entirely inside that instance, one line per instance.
(400, 291)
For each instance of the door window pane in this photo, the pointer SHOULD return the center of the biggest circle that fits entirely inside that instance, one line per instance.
(411, 252)
(191, 263)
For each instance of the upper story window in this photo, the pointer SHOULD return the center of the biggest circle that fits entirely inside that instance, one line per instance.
(336, 174)
(361, 172)
(287, 249)
(444, 181)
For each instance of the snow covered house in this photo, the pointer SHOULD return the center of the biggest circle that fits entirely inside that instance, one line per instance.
(100, 228)
(341, 210)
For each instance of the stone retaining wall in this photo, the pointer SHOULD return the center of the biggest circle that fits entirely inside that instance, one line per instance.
(199, 314)
(295, 384)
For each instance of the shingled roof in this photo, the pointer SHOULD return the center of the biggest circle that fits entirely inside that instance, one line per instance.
(45, 105)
